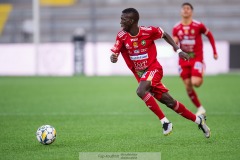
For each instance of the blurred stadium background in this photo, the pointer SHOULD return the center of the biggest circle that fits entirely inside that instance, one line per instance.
(36, 36)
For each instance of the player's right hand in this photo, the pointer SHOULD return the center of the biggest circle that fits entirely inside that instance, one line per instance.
(184, 56)
(114, 58)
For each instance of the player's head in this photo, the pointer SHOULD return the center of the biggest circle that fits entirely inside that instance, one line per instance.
(186, 10)
(129, 17)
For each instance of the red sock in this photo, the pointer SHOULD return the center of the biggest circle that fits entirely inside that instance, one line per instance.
(193, 96)
(152, 105)
(183, 111)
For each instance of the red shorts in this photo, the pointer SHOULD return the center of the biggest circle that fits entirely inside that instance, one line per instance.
(191, 68)
(154, 75)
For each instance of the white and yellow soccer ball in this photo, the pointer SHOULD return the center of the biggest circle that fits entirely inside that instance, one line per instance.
(46, 134)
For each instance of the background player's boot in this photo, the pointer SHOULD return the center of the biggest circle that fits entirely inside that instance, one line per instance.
(167, 128)
(203, 126)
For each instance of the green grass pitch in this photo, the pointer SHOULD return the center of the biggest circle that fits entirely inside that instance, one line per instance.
(104, 114)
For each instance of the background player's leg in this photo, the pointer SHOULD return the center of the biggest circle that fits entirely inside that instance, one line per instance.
(186, 73)
(196, 82)
(191, 92)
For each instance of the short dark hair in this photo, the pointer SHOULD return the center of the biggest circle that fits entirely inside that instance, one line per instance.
(133, 11)
(188, 4)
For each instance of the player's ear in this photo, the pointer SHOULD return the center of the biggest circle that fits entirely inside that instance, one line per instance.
(132, 21)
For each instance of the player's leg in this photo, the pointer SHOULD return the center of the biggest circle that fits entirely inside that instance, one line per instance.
(179, 108)
(186, 75)
(145, 95)
(191, 92)
(143, 91)
(196, 81)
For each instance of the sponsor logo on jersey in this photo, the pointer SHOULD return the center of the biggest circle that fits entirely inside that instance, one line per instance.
(134, 39)
(135, 44)
(127, 46)
(188, 42)
(136, 51)
(143, 42)
(180, 33)
(139, 57)
(192, 31)
(140, 65)
(144, 50)
(145, 34)
(192, 37)
(185, 31)
(198, 66)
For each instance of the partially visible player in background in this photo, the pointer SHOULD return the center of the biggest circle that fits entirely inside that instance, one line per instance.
(188, 34)
(137, 46)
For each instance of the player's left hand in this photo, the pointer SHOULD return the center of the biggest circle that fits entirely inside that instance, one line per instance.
(215, 56)
(184, 55)
(114, 58)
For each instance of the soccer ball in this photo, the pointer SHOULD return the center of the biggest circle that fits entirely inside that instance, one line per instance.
(46, 134)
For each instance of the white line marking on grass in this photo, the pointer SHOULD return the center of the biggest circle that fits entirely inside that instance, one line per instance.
(102, 114)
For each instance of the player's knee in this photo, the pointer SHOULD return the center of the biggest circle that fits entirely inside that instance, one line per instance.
(140, 93)
(171, 104)
(168, 101)
(197, 83)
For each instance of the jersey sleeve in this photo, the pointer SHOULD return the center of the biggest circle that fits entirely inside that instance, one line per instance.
(174, 32)
(157, 33)
(203, 29)
(118, 45)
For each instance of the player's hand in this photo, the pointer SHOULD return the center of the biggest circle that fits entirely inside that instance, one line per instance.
(114, 58)
(215, 56)
(184, 55)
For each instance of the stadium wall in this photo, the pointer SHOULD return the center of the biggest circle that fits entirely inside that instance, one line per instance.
(57, 59)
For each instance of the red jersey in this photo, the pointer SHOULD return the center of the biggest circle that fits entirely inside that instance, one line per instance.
(190, 38)
(139, 52)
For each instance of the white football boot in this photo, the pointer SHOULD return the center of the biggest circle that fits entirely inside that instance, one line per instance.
(167, 128)
(203, 126)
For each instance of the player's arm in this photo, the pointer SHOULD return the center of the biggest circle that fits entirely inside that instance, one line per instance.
(169, 40)
(210, 37)
(212, 42)
(115, 50)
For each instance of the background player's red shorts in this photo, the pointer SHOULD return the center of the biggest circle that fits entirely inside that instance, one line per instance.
(191, 68)
(154, 75)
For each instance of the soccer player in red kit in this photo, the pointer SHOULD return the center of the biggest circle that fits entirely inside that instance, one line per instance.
(136, 45)
(188, 34)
